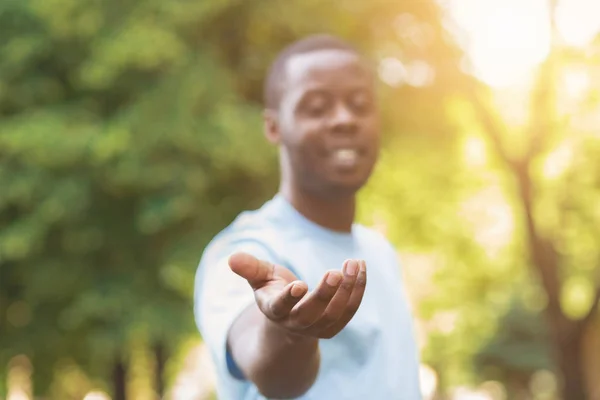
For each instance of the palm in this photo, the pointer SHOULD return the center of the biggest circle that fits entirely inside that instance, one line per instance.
(282, 276)
(282, 298)
(273, 288)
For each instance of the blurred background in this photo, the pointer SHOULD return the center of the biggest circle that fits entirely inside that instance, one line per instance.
(130, 134)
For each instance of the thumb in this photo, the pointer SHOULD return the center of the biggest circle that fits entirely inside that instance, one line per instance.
(255, 271)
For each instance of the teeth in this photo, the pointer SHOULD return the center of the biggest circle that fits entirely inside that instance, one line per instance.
(346, 156)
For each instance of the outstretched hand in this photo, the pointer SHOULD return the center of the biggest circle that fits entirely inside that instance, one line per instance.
(285, 300)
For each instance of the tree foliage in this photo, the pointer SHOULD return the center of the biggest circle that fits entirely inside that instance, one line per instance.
(531, 187)
(130, 134)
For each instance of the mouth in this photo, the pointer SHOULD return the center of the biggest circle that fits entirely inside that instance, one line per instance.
(345, 157)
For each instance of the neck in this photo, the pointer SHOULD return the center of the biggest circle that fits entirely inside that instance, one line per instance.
(335, 213)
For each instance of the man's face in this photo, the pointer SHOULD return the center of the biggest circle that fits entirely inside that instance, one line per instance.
(328, 122)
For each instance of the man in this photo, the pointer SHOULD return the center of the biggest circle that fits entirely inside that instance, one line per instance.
(282, 299)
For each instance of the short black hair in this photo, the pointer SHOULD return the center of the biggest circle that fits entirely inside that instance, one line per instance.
(276, 76)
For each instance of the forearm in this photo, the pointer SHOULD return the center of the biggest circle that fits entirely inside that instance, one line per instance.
(281, 365)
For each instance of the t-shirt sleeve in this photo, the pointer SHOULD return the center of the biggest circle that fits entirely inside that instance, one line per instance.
(220, 297)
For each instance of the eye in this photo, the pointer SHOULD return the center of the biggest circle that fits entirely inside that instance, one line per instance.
(316, 105)
(360, 102)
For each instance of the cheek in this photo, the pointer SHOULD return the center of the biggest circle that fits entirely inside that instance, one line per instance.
(372, 125)
(305, 151)
(374, 134)
(304, 135)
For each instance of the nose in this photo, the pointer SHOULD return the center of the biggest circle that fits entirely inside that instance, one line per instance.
(343, 120)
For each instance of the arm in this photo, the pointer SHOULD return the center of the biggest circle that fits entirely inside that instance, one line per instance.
(281, 365)
(275, 340)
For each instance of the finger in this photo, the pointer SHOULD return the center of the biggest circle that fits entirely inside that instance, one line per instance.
(279, 305)
(312, 306)
(255, 271)
(338, 303)
(352, 305)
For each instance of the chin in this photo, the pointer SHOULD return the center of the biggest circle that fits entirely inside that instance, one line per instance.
(351, 179)
(336, 184)
(346, 187)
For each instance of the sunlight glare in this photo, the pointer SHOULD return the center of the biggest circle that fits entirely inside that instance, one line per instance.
(491, 219)
(495, 389)
(475, 153)
(506, 38)
(578, 21)
(419, 73)
(558, 161)
(197, 379)
(392, 71)
(464, 393)
(576, 81)
(445, 322)
(544, 385)
(18, 394)
(19, 383)
(429, 381)
(416, 73)
(96, 395)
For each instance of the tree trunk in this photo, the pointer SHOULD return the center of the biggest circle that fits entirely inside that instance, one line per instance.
(119, 377)
(570, 363)
(518, 386)
(566, 335)
(161, 360)
(590, 342)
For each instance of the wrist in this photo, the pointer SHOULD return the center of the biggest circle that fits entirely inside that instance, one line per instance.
(289, 337)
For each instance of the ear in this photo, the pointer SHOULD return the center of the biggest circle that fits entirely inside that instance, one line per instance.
(271, 126)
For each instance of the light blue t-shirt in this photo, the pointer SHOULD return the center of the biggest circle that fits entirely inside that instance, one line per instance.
(374, 357)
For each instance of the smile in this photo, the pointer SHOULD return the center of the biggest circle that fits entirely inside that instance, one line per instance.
(345, 157)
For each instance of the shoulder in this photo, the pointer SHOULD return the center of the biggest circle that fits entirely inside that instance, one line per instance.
(376, 240)
(250, 230)
(218, 290)
(387, 257)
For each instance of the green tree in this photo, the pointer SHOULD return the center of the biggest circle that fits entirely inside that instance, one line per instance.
(123, 151)
(130, 135)
(518, 350)
(546, 172)
(558, 214)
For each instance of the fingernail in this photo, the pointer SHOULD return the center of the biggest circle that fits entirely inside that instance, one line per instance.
(333, 279)
(352, 267)
(297, 290)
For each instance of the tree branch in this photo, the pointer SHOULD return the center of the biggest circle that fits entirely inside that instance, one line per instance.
(495, 128)
(543, 252)
(593, 313)
(542, 122)
(543, 96)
